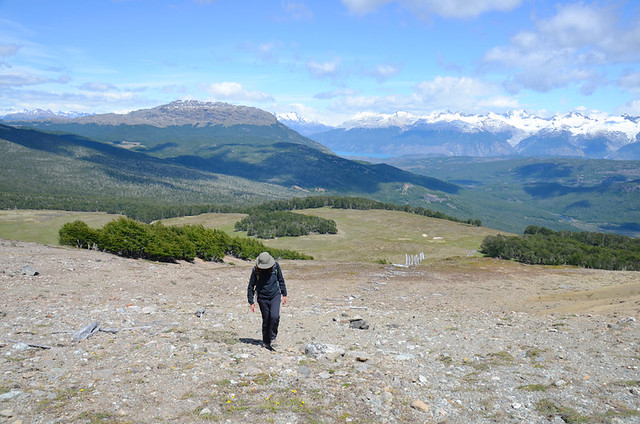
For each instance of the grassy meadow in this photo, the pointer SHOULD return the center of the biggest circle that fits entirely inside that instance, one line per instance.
(370, 236)
(42, 226)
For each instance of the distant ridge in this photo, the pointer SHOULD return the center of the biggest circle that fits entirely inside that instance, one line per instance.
(242, 142)
(185, 112)
(516, 133)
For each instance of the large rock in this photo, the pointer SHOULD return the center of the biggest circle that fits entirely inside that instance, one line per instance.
(319, 351)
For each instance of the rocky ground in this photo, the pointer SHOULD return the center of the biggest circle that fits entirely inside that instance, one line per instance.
(466, 340)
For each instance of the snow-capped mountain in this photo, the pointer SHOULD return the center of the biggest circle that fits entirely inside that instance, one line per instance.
(26, 115)
(302, 125)
(459, 134)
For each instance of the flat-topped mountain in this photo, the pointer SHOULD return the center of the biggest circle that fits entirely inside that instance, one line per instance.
(185, 112)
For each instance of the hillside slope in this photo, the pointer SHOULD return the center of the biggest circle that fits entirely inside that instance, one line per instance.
(238, 141)
(570, 194)
(40, 170)
(461, 341)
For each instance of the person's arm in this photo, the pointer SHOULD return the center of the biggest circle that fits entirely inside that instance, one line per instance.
(283, 286)
(251, 288)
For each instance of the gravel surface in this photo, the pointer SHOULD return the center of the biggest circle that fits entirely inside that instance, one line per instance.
(465, 340)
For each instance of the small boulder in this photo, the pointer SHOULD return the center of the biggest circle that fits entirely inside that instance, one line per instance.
(420, 405)
(29, 270)
(358, 324)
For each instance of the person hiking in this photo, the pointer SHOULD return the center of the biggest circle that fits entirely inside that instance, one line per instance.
(267, 283)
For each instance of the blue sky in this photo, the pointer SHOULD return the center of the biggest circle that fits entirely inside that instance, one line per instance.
(327, 60)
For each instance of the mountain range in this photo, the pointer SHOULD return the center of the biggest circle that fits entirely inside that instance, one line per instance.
(183, 156)
(221, 139)
(515, 133)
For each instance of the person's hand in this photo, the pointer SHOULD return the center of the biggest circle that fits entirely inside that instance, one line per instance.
(252, 307)
(284, 300)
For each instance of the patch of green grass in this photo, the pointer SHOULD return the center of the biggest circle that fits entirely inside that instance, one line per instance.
(534, 352)
(98, 417)
(63, 396)
(445, 359)
(262, 379)
(569, 415)
(490, 360)
(502, 357)
(221, 336)
(534, 387)
(621, 411)
(206, 416)
(42, 226)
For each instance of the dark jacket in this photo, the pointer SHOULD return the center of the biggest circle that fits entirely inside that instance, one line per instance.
(266, 284)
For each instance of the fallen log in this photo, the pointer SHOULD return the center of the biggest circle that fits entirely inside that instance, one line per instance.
(29, 344)
(86, 332)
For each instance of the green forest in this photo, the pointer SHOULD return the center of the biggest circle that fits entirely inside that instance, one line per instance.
(542, 246)
(267, 224)
(358, 203)
(132, 239)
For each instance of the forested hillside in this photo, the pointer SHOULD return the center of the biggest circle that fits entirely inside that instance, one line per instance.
(557, 193)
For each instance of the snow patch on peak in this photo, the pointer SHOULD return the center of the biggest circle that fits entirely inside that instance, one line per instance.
(519, 123)
(380, 120)
(292, 117)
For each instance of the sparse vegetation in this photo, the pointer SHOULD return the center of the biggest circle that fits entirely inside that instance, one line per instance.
(569, 415)
(534, 387)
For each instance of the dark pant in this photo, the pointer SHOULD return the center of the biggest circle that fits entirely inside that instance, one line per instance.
(270, 310)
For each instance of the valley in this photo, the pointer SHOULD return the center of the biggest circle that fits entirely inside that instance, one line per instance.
(189, 157)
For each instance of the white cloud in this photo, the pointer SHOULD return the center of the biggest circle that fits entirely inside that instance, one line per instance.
(297, 10)
(335, 93)
(19, 79)
(7, 50)
(571, 47)
(234, 91)
(462, 94)
(82, 102)
(495, 103)
(459, 93)
(98, 86)
(630, 108)
(364, 6)
(424, 9)
(630, 81)
(383, 71)
(329, 69)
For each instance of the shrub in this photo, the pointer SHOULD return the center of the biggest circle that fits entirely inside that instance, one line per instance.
(78, 234)
(543, 246)
(133, 239)
(124, 237)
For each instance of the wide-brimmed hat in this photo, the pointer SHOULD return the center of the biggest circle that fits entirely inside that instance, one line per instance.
(265, 261)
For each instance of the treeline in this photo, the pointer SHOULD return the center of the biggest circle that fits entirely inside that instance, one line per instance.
(143, 210)
(359, 203)
(149, 210)
(542, 246)
(132, 239)
(270, 224)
